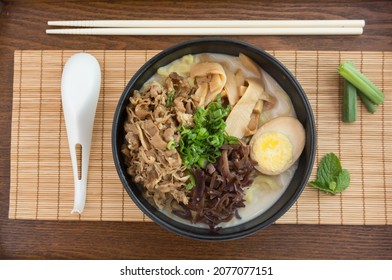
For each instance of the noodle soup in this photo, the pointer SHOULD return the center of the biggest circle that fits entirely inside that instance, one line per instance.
(213, 139)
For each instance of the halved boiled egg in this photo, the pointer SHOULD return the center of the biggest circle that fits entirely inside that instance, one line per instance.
(277, 145)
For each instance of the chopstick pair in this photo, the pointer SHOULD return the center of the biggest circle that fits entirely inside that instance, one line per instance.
(209, 27)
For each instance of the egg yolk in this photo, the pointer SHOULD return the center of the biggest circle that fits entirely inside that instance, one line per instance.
(272, 151)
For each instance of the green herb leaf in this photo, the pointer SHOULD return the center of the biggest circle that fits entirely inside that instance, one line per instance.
(331, 178)
(332, 186)
(329, 168)
(320, 186)
(343, 180)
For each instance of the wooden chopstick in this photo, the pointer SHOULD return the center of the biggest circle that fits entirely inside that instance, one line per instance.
(209, 27)
(213, 23)
(208, 31)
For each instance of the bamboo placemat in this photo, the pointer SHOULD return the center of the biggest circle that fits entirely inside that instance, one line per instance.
(41, 175)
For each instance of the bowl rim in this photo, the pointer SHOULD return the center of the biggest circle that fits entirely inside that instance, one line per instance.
(285, 207)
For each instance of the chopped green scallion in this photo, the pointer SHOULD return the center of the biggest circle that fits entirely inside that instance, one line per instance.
(201, 143)
(348, 71)
(367, 103)
(171, 145)
(349, 102)
(170, 98)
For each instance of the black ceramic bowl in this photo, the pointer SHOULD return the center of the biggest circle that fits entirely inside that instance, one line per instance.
(286, 80)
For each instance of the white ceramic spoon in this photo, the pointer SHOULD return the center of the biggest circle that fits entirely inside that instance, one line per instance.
(80, 87)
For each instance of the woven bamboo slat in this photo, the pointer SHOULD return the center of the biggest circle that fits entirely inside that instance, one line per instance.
(41, 175)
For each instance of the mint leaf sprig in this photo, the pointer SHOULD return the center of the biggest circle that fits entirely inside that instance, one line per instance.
(331, 177)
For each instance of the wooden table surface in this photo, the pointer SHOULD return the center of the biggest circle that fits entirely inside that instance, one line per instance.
(22, 26)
